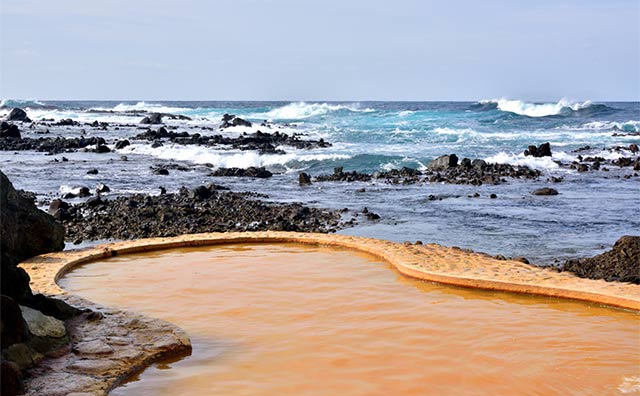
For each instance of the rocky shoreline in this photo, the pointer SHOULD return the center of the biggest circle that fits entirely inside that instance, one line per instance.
(201, 209)
(90, 349)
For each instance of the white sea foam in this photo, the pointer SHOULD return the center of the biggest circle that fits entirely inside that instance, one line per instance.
(144, 106)
(301, 110)
(547, 163)
(225, 158)
(543, 163)
(405, 113)
(537, 109)
(628, 126)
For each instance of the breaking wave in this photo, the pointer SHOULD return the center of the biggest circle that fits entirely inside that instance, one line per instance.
(562, 107)
(226, 159)
(28, 103)
(143, 106)
(300, 110)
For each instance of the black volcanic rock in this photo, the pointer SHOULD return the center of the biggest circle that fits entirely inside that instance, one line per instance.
(18, 114)
(231, 120)
(9, 130)
(26, 232)
(444, 162)
(544, 150)
(545, 191)
(202, 209)
(251, 171)
(621, 263)
(152, 118)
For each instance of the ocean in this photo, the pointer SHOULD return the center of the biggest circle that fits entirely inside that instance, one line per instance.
(593, 209)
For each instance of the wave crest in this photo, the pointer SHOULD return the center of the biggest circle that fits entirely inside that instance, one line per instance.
(143, 106)
(563, 106)
(300, 110)
(28, 103)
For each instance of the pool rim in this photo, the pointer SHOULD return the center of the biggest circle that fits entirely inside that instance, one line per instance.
(413, 260)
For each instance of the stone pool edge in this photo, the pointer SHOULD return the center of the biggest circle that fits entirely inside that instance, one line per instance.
(96, 366)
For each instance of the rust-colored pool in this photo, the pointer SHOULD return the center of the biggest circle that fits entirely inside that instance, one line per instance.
(286, 319)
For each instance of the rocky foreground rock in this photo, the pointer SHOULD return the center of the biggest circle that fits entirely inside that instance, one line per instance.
(621, 263)
(32, 326)
(201, 209)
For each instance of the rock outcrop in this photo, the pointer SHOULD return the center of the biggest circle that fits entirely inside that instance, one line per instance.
(9, 130)
(231, 120)
(201, 209)
(543, 150)
(18, 114)
(621, 263)
(443, 162)
(31, 325)
(152, 118)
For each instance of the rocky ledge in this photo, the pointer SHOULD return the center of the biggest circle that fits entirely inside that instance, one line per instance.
(202, 209)
(105, 348)
(261, 141)
(444, 169)
(621, 263)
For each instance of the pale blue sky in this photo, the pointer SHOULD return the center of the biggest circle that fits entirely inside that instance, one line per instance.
(320, 50)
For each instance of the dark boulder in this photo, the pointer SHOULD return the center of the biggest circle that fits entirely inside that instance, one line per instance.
(102, 188)
(153, 118)
(634, 148)
(26, 231)
(9, 130)
(304, 179)
(67, 122)
(84, 192)
(543, 150)
(12, 324)
(231, 120)
(478, 163)
(18, 115)
(161, 171)
(11, 383)
(101, 148)
(122, 144)
(252, 171)
(545, 191)
(56, 205)
(443, 162)
(621, 263)
(201, 192)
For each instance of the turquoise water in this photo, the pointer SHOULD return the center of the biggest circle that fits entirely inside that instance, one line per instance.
(591, 212)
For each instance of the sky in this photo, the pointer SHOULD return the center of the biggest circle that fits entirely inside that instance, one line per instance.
(539, 50)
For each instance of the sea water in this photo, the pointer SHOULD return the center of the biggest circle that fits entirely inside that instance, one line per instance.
(591, 212)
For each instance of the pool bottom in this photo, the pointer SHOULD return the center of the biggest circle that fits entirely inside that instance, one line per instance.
(283, 318)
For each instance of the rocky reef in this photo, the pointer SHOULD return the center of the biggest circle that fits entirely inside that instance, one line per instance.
(201, 209)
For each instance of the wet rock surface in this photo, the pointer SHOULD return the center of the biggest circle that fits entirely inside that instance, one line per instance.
(476, 172)
(260, 141)
(251, 171)
(54, 145)
(105, 349)
(201, 209)
(621, 263)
